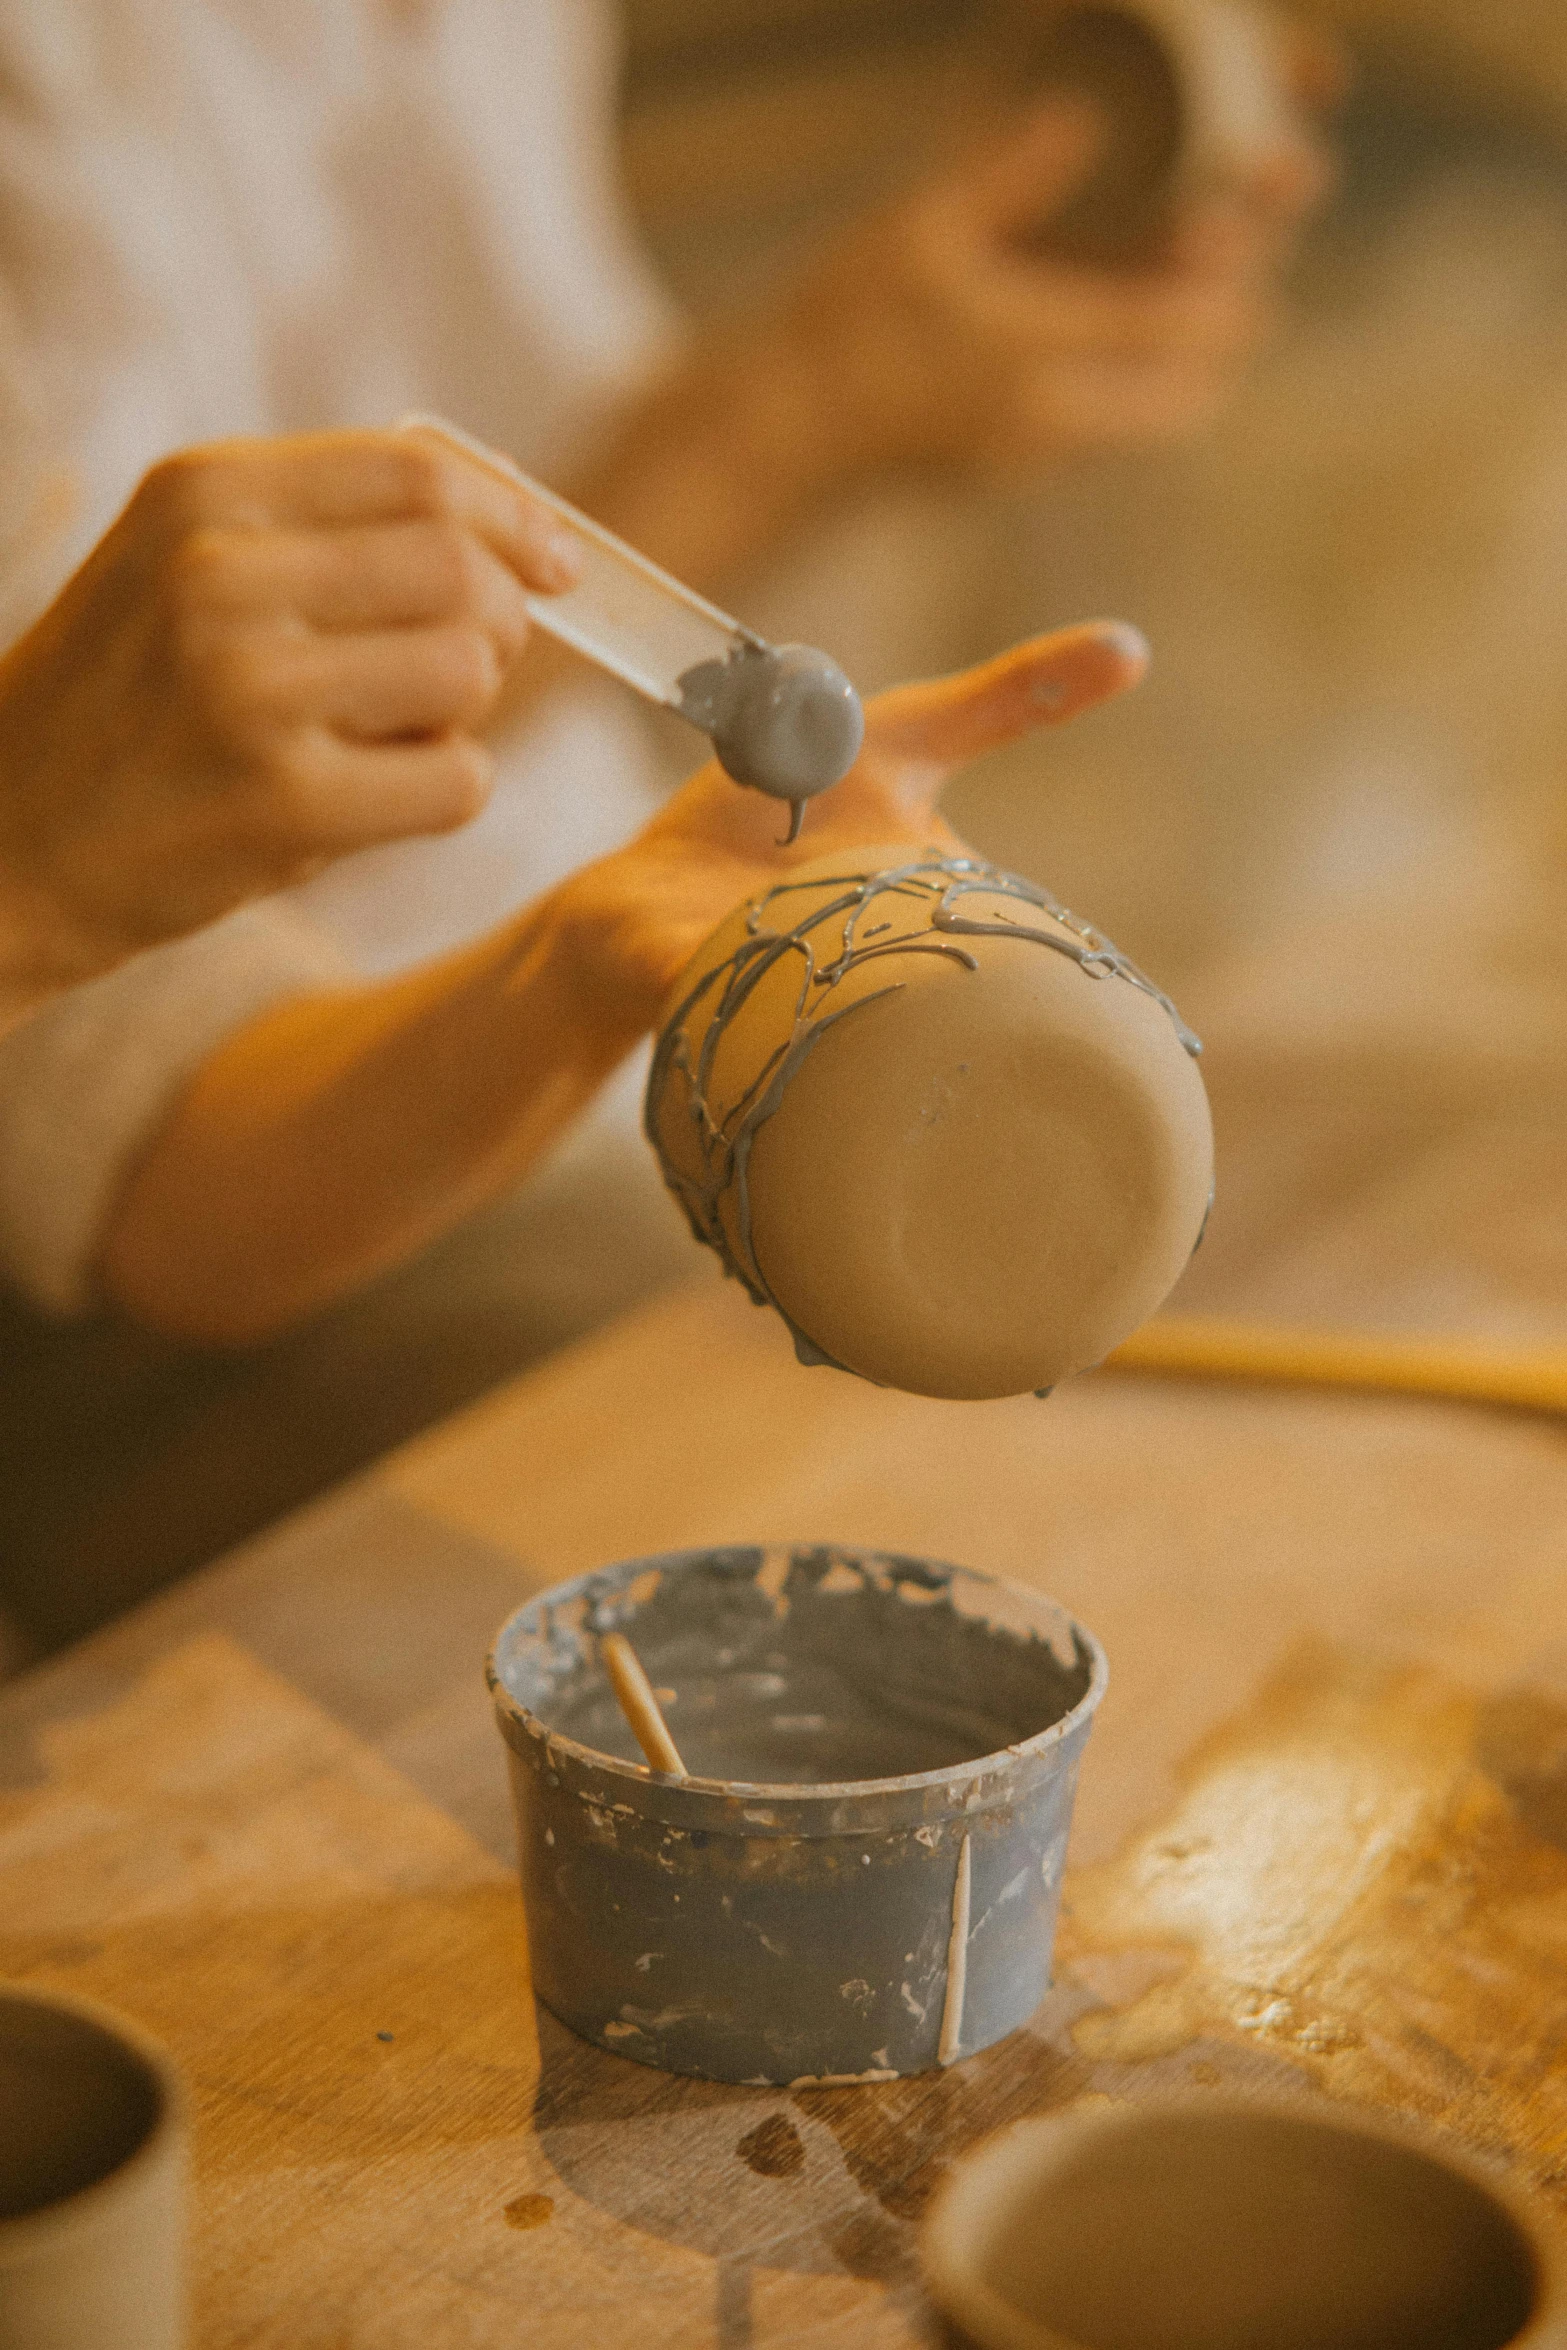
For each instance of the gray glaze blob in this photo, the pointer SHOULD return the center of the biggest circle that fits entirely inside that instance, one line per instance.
(783, 719)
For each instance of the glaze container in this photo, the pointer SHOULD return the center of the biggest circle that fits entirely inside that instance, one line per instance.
(1224, 2223)
(93, 2158)
(860, 1878)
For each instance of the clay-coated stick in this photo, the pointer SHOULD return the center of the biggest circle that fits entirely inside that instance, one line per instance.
(634, 619)
(640, 1707)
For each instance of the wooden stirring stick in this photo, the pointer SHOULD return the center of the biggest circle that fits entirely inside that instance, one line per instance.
(1520, 1378)
(639, 1705)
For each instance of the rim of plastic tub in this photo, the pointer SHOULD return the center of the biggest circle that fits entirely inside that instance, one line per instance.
(792, 1807)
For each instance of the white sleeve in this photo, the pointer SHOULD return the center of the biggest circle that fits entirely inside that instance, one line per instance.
(86, 1081)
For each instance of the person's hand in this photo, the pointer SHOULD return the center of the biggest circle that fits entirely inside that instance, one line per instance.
(632, 921)
(940, 331)
(281, 651)
(334, 1134)
(938, 334)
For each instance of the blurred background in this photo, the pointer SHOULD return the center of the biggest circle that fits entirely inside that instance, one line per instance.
(1333, 822)
(1351, 585)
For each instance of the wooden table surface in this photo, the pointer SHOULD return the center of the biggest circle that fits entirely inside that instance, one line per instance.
(1322, 1831)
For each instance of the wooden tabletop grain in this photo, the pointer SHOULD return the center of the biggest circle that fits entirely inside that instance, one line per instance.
(1322, 1830)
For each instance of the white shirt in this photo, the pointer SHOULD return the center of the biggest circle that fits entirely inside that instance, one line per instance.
(238, 216)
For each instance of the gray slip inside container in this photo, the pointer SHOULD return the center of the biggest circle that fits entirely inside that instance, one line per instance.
(860, 1878)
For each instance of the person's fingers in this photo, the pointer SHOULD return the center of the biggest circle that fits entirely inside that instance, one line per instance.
(1100, 404)
(1288, 181)
(947, 720)
(396, 681)
(1016, 181)
(338, 479)
(1197, 292)
(1318, 67)
(1221, 239)
(346, 795)
(392, 575)
(1055, 311)
(490, 495)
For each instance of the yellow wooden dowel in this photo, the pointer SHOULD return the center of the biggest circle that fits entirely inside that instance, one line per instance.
(637, 1702)
(1522, 1378)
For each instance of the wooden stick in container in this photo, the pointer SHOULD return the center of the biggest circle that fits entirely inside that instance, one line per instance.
(640, 1707)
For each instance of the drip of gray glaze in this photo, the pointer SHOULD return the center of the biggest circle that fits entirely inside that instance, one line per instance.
(941, 882)
(783, 719)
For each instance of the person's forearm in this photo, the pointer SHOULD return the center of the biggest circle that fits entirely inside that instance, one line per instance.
(331, 1138)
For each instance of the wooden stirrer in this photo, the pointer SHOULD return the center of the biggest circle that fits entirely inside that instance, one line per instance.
(640, 1707)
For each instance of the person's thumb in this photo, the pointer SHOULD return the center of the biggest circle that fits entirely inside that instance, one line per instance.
(944, 721)
(1021, 179)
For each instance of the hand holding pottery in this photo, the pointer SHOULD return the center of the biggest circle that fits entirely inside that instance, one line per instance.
(1202, 104)
(1080, 279)
(951, 1133)
(627, 925)
(326, 1139)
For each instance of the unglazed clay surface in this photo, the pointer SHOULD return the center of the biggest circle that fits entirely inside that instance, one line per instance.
(92, 2179)
(950, 1132)
(1223, 2225)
